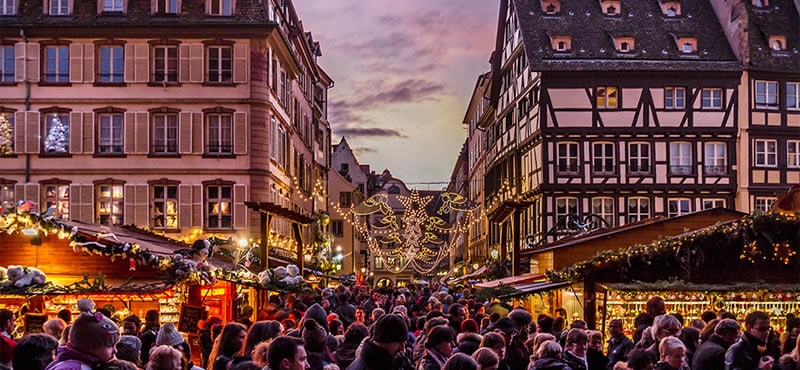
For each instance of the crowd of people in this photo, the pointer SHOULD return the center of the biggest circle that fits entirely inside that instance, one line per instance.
(409, 328)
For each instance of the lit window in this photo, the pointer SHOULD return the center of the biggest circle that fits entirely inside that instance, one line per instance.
(606, 97)
(766, 152)
(680, 158)
(57, 197)
(7, 200)
(56, 133)
(766, 94)
(219, 199)
(638, 209)
(777, 45)
(674, 97)
(165, 206)
(716, 159)
(112, 64)
(109, 204)
(111, 134)
(679, 207)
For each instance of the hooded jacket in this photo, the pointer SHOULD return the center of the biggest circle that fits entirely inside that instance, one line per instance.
(468, 343)
(372, 357)
(318, 314)
(70, 359)
(547, 363)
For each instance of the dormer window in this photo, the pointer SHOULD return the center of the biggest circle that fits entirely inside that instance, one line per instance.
(561, 43)
(611, 10)
(670, 8)
(610, 7)
(686, 45)
(671, 12)
(624, 44)
(551, 7)
(777, 42)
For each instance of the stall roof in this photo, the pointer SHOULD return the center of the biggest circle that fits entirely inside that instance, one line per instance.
(480, 271)
(513, 281)
(535, 287)
(277, 209)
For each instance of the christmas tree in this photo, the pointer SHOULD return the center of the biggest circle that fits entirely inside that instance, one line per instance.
(56, 141)
(6, 136)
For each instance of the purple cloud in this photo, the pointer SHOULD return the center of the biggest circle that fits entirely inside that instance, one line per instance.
(369, 132)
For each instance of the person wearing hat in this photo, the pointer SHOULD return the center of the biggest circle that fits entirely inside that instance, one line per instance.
(170, 336)
(388, 340)
(438, 348)
(92, 342)
(129, 348)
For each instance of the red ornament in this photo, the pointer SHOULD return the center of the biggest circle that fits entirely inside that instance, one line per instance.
(131, 264)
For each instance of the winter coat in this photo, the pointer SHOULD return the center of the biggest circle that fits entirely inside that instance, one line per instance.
(596, 359)
(373, 357)
(468, 343)
(432, 360)
(618, 349)
(711, 354)
(574, 362)
(547, 363)
(744, 354)
(70, 359)
(787, 362)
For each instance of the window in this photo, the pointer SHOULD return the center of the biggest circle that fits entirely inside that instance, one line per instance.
(713, 203)
(6, 134)
(567, 158)
(606, 97)
(165, 63)
(221, 7)
(220, 134)
(678, 207)
(638, 209)
(57, 197)
(762, 204)
(279, 145)
(715, 159)
(611, 10)
(766, 94)
(7, 7)
(777, 45)
(793, 153)
(603, 158)
(378, 263)
(220, 64)
(680, 158)
(56, 63)
(344, 169)
(604, 207)
(166, 7)
(562, 46)
(712, 98)
(624, 46)
(566, 207)
(165, 133)
(109, 204)
(111, 133)
(59, 7)
(337, 228)
(6, 60)
(56, 133)
(219, 199)
(639, 158)
(7, 200)
(113, 6)
(165, 207)
(687, 48)
(793, 95)
(674, 97)
(112, 64)
(766, 151)
(671, 12)
(345, 199)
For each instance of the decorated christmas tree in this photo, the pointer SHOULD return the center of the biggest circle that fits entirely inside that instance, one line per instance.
(6, 136)
(56, 141)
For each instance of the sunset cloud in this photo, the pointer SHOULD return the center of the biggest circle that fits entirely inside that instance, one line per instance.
(369, 132)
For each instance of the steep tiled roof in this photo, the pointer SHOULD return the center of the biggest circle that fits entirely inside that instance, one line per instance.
(780, 18)
(593, 49)
(247, 12)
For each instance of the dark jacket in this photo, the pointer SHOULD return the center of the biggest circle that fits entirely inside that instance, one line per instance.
(432, 360)
(787, 362)
(549, 364)
(373, 357)
(663, 365)
(468, 343)
(347, 313)
(711, 354)
(148, 338)
(617, 350)
(517, 354)
(574, 362)
(596, 359)
(744, 354)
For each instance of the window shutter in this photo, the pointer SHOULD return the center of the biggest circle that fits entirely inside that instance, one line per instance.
(88, 63)
(183, 67)
(130, 132)
(185, 133)
(130, 67)
(240, 133)
(184, 206)
(19, 133)
(239, 209)
(87, 203)
(142, 62)
(197, 205)
(19, 62)
(198, 129)
(129, 197)
(240, 56)
(142, 133)
(75, 62)
(153, 7)
(76, 133)
(88, 133)
(32, 62)
(74, 202)
(137, 204)
(196, 71)
(32, 134)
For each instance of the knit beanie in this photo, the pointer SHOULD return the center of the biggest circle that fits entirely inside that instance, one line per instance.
(438, 335)
(129, 348)
(314, 336)
(168, 335)
(91, 331)
(390, 329)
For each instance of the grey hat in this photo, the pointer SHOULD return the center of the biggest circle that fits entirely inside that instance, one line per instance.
(129, 348)
(169, 335)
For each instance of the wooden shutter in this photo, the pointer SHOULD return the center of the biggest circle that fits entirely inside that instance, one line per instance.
(184, 206)
(241, 52)
(28, 191)
(19, 62)
(142, 133)
(185, 133)
(87, 203)
(33, 127)
(183, 65)
(142, 62)
(32, 62)
(19, 133)
(76, 133)
(75, 62)
(198, 130)
(130, 66)
(239, 209)
(88, 63)
(240, 133)
(130, 132)
(88, 133)
(136, 204)
(197, 206)
(196, 71)
(74, 202)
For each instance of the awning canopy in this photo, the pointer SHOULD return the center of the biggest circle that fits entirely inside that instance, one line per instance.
(537, 287)
(513, 280)
(479, 272)
(279, 210)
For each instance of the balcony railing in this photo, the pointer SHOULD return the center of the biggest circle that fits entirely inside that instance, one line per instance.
(109, 148)
(715, 170)
(168, 148)
(680, 170)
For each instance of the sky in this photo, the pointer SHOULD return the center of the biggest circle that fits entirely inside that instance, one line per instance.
(403, 74)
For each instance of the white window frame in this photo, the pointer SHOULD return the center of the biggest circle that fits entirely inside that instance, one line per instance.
(224, 207)
(220, 7)
(219, 132)
(170, 6)
(764, 156)
(8, 7)
(111, 133)
(56, 195)
(762, 204)
(113, 5)
(565, 206)
(635, 206)
(59, 7)
(165, 133)
(7, 199)
(567, 157)
(793, 95)
(605, 94)
(168, 215)
(711, 98)
(678, 206)
(110, 204)
(604, 207)
(674, 97)
(217, 52)
(715, 158)
(793, 153)
(766, 94)
(161, 64)
(604, 163)
(48, 120)
(7, 66)
(114, 64)
(680, 158)
(713, 203)
(640, 157)
(54, 73)
(687, 48)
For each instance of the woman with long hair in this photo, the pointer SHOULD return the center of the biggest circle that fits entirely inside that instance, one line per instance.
(259, 332)
(230, 341)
